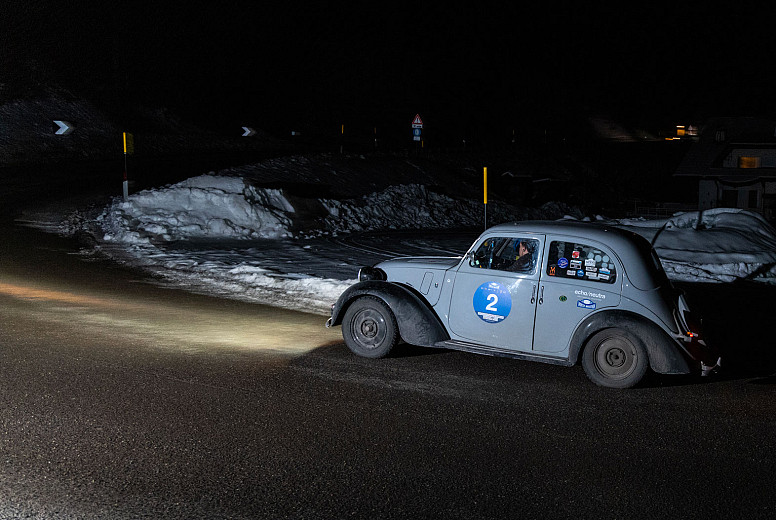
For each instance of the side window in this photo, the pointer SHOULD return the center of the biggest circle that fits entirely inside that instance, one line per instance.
(517, 255)
(580, 261)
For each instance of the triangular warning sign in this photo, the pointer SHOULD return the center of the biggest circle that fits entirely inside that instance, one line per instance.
(417, 120)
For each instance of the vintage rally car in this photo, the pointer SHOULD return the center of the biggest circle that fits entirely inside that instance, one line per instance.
(558, 292)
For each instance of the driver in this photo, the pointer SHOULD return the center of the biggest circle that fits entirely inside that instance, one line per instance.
(524, 260)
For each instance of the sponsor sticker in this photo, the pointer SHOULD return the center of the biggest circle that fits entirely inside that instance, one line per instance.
(590, 269)
(571, 272)
(590, 294)
(575, 264)
(492, 302)
(580, 273)
(592, 276)
(563, 263)
(575, 254)
(586, 304)
(590, 262)
(604, 271)
(602, 276)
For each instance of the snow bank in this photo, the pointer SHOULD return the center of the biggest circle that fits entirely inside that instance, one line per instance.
(717, 245)
(211, 206)
(207, 206)
(413, 206)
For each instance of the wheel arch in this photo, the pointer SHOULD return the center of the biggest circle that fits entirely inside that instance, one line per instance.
(418, 323)
(665, 355)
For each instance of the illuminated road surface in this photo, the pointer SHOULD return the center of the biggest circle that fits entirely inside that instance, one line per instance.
(122, 399)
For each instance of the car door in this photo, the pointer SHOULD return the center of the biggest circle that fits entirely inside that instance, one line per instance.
(495, 291)
(578, 277)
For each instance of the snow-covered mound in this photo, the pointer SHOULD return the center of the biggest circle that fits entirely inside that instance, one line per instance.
(207, 206)
(721, 244)
(416, 207)
(212, 206)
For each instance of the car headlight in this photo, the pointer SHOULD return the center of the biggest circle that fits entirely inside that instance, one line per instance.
(371, 273)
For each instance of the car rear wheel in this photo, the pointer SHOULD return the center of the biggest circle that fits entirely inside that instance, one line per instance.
(615, 358)
(369, 328)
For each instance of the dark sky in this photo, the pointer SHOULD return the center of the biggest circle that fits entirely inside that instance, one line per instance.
(498, 64)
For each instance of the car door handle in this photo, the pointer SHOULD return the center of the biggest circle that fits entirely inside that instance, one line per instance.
(541, 296)
(533, 295)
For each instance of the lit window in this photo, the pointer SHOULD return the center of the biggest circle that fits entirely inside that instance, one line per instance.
(748, 162)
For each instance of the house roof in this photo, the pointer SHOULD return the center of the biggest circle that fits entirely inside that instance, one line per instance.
(718, 138)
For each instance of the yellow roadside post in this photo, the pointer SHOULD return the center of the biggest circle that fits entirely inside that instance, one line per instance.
(129, 148)
(485, 192)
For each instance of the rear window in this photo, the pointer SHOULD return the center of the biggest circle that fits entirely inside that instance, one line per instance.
(581, 262)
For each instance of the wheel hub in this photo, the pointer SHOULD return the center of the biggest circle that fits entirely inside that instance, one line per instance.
(369, 328)
(615, 357)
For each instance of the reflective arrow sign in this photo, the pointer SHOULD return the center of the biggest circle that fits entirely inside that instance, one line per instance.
(64, 127)
(248, 132)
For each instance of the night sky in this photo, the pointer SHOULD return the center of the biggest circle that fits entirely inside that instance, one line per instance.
(476, 65)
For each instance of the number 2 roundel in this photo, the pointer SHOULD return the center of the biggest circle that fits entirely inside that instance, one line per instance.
(492, 302)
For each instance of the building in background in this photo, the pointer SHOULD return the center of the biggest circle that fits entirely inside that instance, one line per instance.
(734, 161)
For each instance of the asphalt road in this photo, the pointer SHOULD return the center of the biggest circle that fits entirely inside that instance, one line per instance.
(123, 399)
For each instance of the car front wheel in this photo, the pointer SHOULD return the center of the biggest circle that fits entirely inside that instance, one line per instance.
(369, 328)
(615, 358)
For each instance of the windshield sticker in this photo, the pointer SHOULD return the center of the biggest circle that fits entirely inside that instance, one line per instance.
(586, 304)
(492, 302)
(563, 263)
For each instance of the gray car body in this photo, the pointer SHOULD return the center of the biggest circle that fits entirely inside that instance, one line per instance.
(549, 319)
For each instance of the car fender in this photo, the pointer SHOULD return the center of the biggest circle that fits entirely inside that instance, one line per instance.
(418, 323)
(665, 353)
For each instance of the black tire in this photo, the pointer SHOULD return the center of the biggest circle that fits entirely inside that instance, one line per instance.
(369, 328)
(615, 358)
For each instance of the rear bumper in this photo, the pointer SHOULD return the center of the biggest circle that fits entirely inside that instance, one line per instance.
(707, 370)
(706, 358)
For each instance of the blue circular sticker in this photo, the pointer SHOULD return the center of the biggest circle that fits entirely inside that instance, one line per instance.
(563, 263)
(492, 302)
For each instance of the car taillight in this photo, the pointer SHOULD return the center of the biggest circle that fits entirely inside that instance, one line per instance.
(689, 323)
(693, 324)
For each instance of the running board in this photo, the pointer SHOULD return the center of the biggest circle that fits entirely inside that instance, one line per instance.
(476, 348)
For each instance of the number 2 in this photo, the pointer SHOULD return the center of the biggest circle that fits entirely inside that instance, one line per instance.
(493, 301)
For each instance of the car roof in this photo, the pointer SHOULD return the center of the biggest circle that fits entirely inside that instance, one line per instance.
(591, 230)
(633, 249)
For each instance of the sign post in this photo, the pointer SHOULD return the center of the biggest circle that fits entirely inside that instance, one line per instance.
(485, 192)
(417, 128)
(129, 148)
